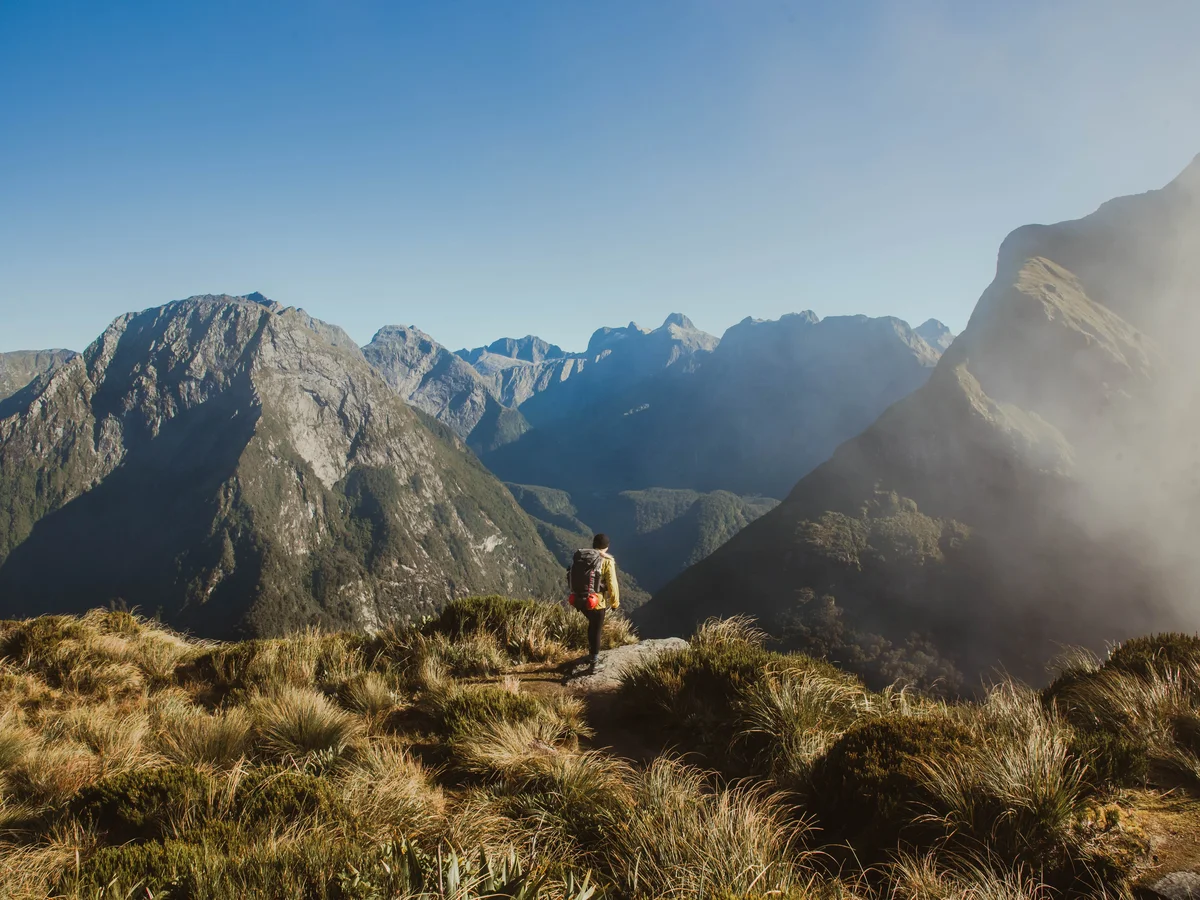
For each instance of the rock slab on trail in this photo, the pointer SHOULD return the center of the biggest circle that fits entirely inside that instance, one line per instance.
(1178, 886)
(612, 664)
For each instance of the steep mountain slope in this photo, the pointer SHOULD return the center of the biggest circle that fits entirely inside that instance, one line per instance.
(441, 384)
(220, 460)
(1043, 486)
(767, 404)
(20, 367)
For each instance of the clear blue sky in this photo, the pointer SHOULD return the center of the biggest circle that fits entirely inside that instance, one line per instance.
(500, 167)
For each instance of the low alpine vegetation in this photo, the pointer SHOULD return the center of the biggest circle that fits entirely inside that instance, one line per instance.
(446, 760)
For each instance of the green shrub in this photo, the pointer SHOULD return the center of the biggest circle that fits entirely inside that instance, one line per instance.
(868, 787)
(1111, 758)
(279, 795)
(144, 804)
(1157, 653)
(35, 644)
(462, 712)
(494, 614)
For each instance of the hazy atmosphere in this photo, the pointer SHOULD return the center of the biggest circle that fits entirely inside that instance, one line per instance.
(481, 169)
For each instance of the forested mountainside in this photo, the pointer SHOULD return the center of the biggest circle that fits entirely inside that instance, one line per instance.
(240, 468)
(1040, 489)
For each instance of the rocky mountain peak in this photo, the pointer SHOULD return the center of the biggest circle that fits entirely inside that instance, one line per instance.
(935, 334)
(679, 320)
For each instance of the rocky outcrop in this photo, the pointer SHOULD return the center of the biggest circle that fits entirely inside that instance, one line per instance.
(611, 665)
(20, 367)
(443, 385)
(240, 469)
(1040, 489)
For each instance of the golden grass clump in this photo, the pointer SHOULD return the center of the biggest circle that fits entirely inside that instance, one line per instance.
(191, 736)
(697, 839)
(391, 792)
(292, 723)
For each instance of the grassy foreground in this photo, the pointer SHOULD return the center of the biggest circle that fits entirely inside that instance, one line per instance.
(418, 763)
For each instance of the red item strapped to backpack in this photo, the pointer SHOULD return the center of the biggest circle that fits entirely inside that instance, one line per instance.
(593, 601)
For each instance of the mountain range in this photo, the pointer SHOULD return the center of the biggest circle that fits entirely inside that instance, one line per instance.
(949, 504)
(1041, 488)
(240, 468)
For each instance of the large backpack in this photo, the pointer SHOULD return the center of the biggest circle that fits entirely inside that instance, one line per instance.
(584, 577)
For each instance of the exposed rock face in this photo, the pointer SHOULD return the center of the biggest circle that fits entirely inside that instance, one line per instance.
(242, 469)
(20, 367)
(1041, 488)
(612, 664)
(441, 384)
(751, 415)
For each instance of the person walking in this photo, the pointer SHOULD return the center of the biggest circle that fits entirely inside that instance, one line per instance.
(592, 578)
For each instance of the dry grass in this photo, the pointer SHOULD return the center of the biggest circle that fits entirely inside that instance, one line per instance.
(681, 837)
(191, 736)
(348, 808)
(293, 723)
(929, 878)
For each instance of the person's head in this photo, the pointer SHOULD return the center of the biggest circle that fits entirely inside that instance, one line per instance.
(600, 542)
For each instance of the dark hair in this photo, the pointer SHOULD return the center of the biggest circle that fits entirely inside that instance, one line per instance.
(600, 542)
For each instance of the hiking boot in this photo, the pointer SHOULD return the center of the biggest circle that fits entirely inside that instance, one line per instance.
(591, 670)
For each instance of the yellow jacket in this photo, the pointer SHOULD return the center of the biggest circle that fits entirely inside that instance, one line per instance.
(609, 593)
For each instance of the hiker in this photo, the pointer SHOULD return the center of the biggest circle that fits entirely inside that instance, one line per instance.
(592, 578)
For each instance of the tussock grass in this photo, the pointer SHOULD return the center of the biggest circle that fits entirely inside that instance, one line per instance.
(928, 877)
(1017, 783)
(293, 723)
(191, 736)
(135, 762)
(695, 840)
(368, 694)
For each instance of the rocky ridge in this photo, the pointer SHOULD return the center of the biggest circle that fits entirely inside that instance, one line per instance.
(770, 401)
(240, 468)
(443, 385)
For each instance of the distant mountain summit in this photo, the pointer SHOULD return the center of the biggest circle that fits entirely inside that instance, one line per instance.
(1041, 488)
(240, 468)
(445, 386)
(528, 349)
(749, 413)
(935, 334)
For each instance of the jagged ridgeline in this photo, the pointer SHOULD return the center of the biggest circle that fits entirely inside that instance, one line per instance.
(241, 468)
(1043, 487)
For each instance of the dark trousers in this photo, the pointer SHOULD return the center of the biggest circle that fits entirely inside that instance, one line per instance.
(595, 619)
